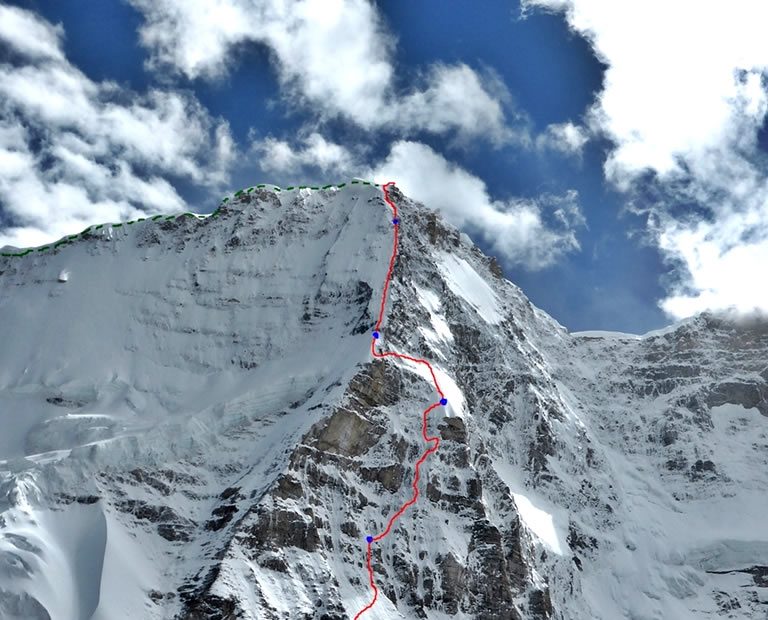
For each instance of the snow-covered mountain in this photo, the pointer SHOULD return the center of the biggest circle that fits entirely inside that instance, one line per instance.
(192, 426)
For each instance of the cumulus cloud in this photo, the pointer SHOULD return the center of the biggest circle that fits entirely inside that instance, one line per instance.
(29, 35)
(334, 56)
(683, 100)
(531, 233)
(74, 151)
(725, 269)
(455, 97)
(312, 152)
(564, 137)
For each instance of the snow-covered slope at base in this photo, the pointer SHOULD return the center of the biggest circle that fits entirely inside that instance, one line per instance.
(193, 427)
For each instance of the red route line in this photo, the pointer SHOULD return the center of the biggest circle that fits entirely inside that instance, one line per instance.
(435, 441)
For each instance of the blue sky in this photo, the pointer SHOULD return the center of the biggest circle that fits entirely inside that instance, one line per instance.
(619, 193)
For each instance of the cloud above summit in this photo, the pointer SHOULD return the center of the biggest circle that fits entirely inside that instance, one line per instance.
(533, 233)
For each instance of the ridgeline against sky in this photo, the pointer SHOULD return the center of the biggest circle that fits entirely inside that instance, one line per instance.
(620, 184)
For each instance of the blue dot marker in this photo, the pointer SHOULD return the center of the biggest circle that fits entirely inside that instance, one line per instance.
(396, 221)
(369, 539)
(443, 401)
(375, 335)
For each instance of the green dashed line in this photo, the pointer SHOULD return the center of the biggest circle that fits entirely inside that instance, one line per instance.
(237, 194)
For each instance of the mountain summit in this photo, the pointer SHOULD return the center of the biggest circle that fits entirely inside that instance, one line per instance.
(192, 425)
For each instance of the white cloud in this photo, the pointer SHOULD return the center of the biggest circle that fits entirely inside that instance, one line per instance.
(684, 97)
(74, 151)
(725, 271)
(29, 35)
(334, 56)
(455, 97)
(314, 151)
(564, 137)
(532, 233)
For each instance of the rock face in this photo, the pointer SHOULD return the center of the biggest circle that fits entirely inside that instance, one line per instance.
(195, 428)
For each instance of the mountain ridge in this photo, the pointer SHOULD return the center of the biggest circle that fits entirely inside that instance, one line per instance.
(67, 239)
